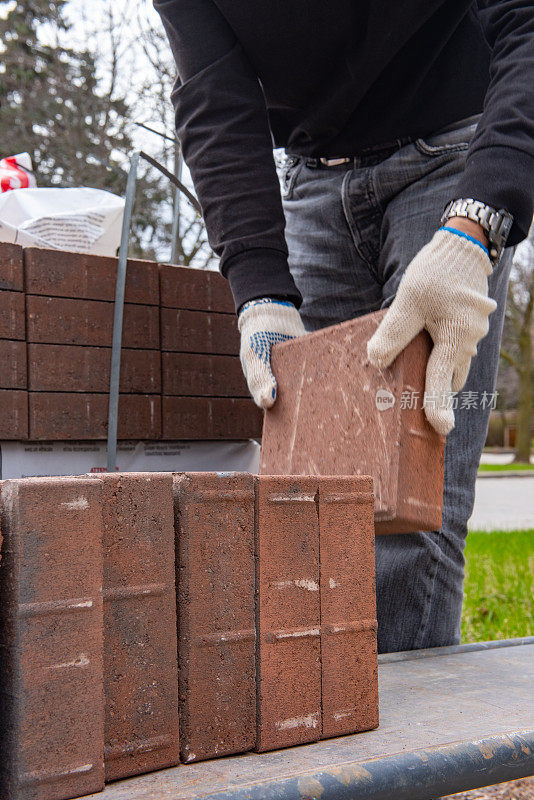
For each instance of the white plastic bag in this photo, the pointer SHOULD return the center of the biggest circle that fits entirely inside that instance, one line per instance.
(81, 220)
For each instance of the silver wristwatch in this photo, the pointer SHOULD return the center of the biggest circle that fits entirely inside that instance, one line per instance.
(497, 224)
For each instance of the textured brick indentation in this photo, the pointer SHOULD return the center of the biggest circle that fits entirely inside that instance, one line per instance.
(348, 608)
(288, 611)
(203, 290)
(62, 415)
(51, 694)
(58, 273)
(210, 418)
(326, 421)
(214, 529)
(140, 649)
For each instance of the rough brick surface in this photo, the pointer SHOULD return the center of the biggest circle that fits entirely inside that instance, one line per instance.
(188, 374)
(58, 273)
(140, 650)
(51, 639)
(183, 287)
(71, 368)
(12, 325)
(348, 607)
(11, 273)
(214, 519)
(89, 322)
(65, 415)
(14, 416)
(199, 332)
(13, 361)
(210, 418)
(325, 421)
(288, 611)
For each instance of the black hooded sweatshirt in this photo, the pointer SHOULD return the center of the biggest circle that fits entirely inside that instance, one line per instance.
(331, 78)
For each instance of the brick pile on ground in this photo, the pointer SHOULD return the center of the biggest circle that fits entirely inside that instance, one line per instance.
(269, 581)
(180, 371)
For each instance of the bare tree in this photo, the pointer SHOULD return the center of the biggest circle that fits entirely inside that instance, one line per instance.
(517, 349)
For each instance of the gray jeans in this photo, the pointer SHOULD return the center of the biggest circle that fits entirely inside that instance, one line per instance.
(351, 231)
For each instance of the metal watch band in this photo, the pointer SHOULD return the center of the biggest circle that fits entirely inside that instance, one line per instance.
(497, 224)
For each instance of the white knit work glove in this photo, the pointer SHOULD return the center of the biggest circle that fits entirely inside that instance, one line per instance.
(263, 323)
(445, 290)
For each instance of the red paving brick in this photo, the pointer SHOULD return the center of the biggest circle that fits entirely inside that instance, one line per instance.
(11, 272)
(70, 415)
(51, 638)
(13, 374)
(199, 332)
(56, 320)
(71, 368)
(214, 529)
(140, 649)
(12, 324)
(288, 612)
(204, 290)
(188, 374)
(210, 418)
(58, 273)
(14, 416)
(348, 608)
(325, 421)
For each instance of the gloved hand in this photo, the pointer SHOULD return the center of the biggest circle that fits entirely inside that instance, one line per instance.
(262, 324)
(445, 290)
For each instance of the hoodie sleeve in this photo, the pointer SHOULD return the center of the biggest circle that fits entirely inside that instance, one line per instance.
(500, 161)
(223, 129)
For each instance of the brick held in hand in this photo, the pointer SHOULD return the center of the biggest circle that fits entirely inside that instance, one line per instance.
(80, 415)
(140, 649)
(326, 421)
(203, 290)
(348, 605)
(51, 695)
(58, 273)
(288, 611)
(199, 332)
(215, 579)
(72, 368)
(11, 271)
(56, 320)
(210, 418)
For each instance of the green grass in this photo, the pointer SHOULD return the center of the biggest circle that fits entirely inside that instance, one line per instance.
(499, 586)
(504, 467)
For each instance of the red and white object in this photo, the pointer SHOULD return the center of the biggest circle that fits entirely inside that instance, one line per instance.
(16, 172)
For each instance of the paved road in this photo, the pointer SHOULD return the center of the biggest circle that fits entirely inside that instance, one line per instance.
(503, 503)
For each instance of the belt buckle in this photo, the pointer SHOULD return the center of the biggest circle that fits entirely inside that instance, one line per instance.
(334, 162)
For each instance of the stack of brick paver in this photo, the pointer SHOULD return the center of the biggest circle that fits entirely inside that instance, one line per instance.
(180, 371)
(271, 582)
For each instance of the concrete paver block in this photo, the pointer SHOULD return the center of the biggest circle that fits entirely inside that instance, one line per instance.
(187, 374)
(288, 611)
(14, 416)
(337, 414)
(203, 290)
(199, 332)
(12, 324)
(140, 647)
(13, 374)
(215, 579)
(57, 273)
(56, 320)
(51, 648)
(210, 418)
(11, 271)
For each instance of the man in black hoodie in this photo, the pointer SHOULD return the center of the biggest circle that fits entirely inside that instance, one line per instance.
(409, 137)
